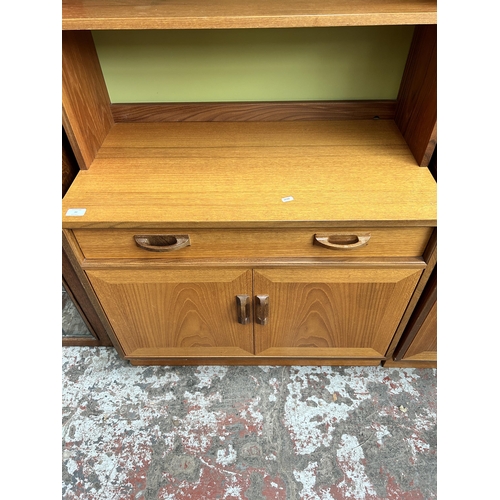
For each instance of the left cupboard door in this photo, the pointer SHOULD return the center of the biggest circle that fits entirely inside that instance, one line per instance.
(177, 313)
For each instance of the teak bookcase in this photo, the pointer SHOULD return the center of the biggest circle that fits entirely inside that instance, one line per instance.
(251, 233)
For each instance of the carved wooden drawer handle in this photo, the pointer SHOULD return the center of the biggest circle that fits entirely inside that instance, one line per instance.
(162, 242)
(342, 241)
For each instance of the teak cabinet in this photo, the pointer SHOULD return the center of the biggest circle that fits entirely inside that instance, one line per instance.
(251, 233)
(328, 313)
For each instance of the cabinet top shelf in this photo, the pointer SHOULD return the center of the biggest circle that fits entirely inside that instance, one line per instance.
(225, 174)
(223, 14)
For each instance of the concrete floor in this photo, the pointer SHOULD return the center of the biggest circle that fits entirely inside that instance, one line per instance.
(315, 433)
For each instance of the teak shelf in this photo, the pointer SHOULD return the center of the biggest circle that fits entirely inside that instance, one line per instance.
(196, 14)
(251, 233)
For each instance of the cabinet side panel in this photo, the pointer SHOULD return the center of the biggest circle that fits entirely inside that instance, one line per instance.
(87, 116)
(416, 110)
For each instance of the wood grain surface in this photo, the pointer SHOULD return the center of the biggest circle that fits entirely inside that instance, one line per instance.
(416, 112)
(332, 308)
(419, 342)
(259, 243)
(216, 359)
(273, 357)
(253, 111)
(191, 14)
(238, 174)
(86, 109)
(179, 309)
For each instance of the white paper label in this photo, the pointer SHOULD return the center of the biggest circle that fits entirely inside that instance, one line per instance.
(78, 212)
(288, 198)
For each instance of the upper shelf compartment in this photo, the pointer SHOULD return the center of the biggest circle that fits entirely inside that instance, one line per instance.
(219, 14)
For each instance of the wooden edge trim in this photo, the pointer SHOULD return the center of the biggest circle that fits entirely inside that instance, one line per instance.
(70, 223)
(75, 257)
(254, 111)
(89, 21)
(371, 262)
(430, 257)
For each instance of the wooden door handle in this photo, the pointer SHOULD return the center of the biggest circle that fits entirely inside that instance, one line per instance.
(342, 241)
(243, 307)
(262, 309)
(162, 242)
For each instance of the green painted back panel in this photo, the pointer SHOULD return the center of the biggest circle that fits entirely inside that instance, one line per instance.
(253, 65)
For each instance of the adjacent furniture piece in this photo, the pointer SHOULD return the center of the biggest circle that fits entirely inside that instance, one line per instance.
(251, 233)
(418, 345)
(81, 325)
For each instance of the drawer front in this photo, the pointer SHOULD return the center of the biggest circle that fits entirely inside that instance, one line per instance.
(180, 244)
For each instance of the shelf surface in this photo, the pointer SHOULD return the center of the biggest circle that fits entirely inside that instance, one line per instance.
(197, 14)
(253, 174)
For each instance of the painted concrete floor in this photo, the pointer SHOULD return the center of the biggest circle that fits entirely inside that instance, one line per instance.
(73, 325)
(256, 433)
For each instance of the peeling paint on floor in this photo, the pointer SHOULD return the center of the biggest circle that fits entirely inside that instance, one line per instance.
(239, 432)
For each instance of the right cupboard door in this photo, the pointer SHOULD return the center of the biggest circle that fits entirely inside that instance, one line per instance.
(330, 312)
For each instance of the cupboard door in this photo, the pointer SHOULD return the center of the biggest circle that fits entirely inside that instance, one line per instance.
(344, 313)
(176, 313)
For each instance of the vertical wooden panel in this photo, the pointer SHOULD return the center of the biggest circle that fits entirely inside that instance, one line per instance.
(87, 116)
(416, 111)
(418, 338)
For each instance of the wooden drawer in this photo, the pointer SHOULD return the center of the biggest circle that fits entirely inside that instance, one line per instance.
(258, 243)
